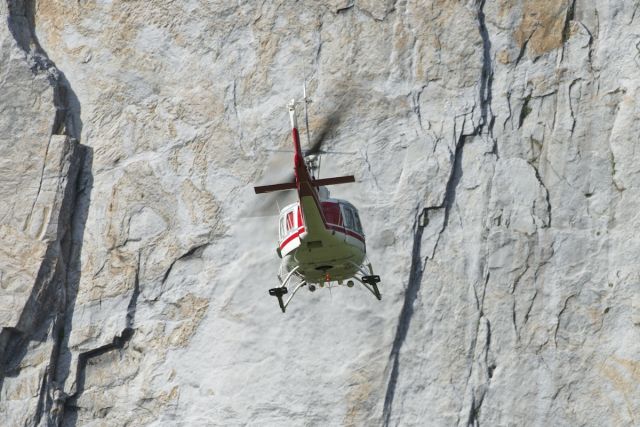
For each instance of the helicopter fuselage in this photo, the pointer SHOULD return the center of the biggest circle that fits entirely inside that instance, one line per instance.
(323, 238)
(325, 241)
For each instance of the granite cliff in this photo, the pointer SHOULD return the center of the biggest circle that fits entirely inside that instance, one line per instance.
(495, 144)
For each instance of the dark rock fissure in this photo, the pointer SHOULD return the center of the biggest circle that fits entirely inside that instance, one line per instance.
(133, 302)
(353, 6)
(454, 180)
(523, 48)
(524, 111)
(67, 261)
(41, 317)
(45, 314)
(415, 276)
(41, 399)
(472, 421)
(195, 251)
(345, 8)
(478, 395)
(417, 264)
(486, 80)
(70, 415)
(546, 195)
(487, 123)
(528, 312)
(73, 249)
(415, 100)
(415, 279)
(373, 175)
(559, 319)
(566, 30)
(70, 409)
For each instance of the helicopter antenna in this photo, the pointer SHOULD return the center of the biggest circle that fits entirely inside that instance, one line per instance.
(306, 116)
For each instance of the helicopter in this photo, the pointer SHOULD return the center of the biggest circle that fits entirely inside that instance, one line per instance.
(320, 241)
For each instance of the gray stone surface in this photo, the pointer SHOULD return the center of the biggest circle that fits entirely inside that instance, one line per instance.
(495, 148)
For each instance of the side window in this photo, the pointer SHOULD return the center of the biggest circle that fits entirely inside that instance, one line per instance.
(282, 232)
(300, 221)
(289, 221)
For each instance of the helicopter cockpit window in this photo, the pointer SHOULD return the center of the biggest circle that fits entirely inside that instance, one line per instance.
(331, 212)
(358, 223)
(349, 221)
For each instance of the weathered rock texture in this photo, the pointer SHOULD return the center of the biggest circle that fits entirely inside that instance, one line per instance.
(495, 144)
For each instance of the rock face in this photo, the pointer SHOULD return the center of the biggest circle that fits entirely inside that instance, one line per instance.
(495, 148)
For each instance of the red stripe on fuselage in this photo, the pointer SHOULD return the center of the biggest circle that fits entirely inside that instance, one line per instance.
(337, 228)
(346, 231)
(288, 240)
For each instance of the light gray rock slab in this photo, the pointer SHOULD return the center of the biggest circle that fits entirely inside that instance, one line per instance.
(494, 145)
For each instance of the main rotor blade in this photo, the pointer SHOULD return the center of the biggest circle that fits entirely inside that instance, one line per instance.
(328, 127)
(274, 187)
(254, 205)
(350, 153)
(335, 180)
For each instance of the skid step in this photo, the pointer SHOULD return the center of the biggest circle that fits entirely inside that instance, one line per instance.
(373, 281)
(278, 293)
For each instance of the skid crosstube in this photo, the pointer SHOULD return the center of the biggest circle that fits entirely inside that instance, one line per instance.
(369, 281)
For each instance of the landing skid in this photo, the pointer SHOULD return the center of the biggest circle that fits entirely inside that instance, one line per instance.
(282, 290)
(367, 279)
(371, 283)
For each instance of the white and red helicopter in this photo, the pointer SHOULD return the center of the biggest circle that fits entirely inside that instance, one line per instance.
(321, 241)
